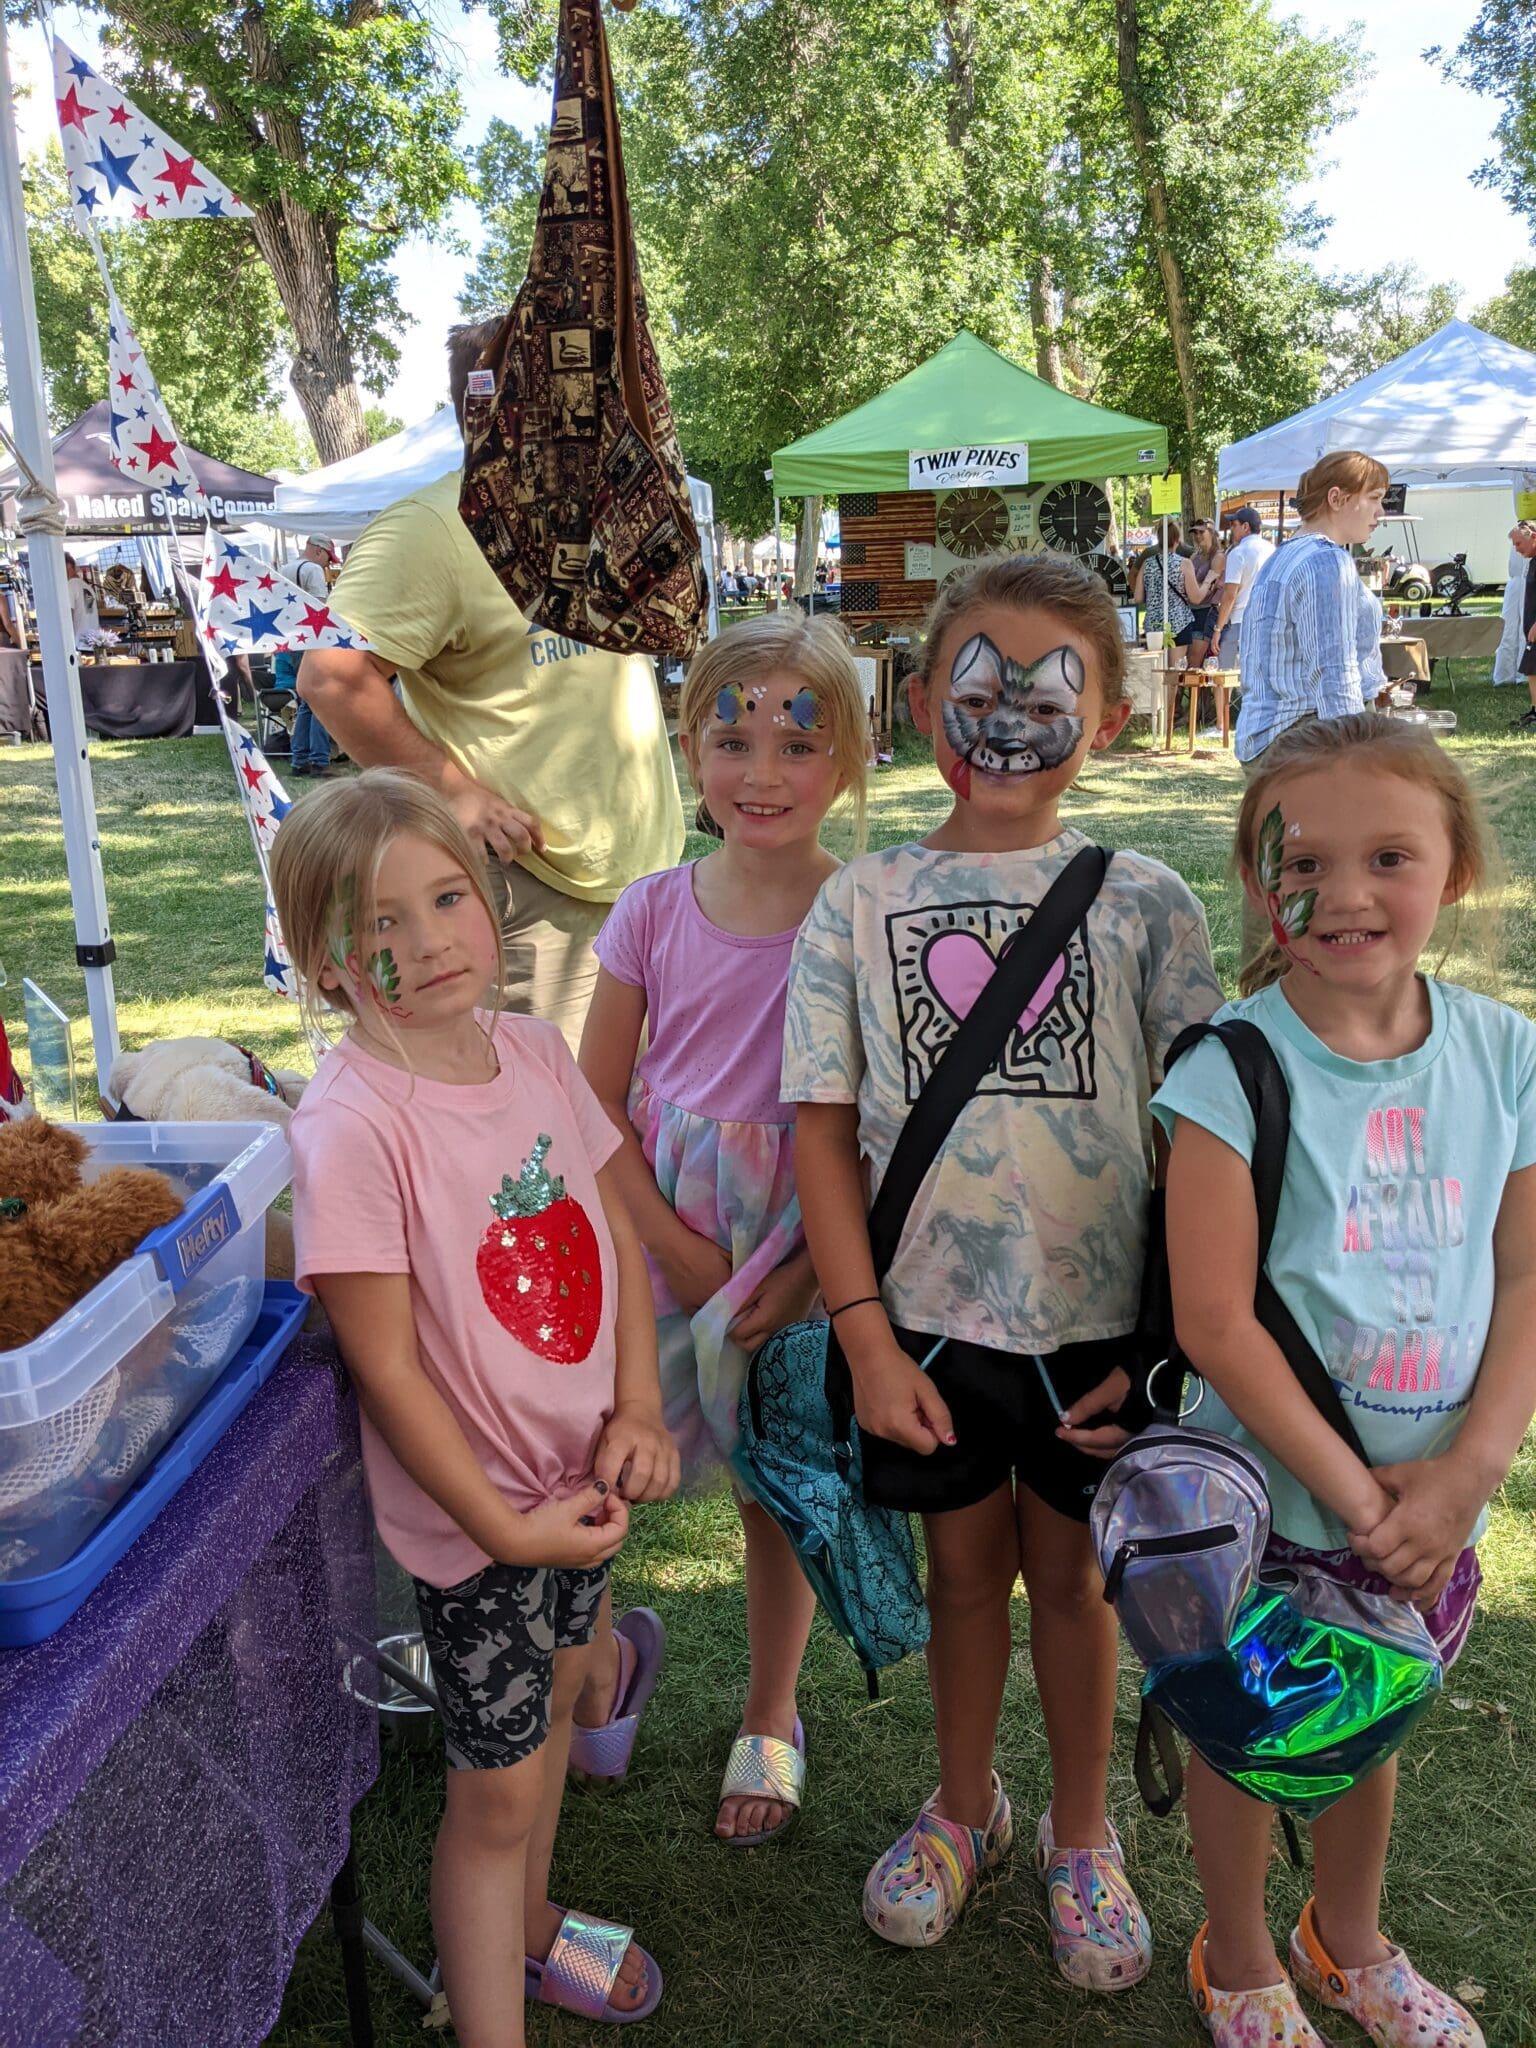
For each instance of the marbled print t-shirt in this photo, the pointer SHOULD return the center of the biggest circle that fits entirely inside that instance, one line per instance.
(1029, 1231)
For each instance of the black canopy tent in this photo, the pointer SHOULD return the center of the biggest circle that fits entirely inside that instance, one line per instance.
(99, 498)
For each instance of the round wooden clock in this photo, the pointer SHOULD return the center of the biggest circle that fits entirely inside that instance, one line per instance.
(1074, 518)
(973, 523)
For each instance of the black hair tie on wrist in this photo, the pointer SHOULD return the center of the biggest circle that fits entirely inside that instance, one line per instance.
(863, 1302)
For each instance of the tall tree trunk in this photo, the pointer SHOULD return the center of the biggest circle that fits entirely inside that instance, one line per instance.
(1072, 350)
(1155, 189)
(300, 251)
(959, 18)
(1042, 315)
(807, 545)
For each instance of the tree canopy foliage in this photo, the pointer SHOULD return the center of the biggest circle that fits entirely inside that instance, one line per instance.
(826, 191)
(204, 308)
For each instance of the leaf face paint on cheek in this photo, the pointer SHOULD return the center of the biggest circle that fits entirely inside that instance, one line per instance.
(1289, 916)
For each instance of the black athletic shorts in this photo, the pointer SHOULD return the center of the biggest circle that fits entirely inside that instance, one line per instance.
(1005, 1429)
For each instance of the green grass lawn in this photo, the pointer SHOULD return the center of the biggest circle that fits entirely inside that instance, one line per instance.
(766, 1947)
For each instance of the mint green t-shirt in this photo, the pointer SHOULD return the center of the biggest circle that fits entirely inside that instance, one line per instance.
(1383, 1245)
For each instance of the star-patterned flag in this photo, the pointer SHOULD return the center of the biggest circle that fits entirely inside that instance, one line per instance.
(266, 805)
(123, 166)
(144, 446)
(247, 608)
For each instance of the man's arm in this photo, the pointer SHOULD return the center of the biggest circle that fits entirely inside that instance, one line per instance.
(1229, 596)
(349, 692)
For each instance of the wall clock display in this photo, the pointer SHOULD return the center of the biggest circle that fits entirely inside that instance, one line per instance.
(972, 523)
(1118, 584)
(1074, 518)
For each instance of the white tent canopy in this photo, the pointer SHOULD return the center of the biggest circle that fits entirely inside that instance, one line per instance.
(339, 500)
(1458, 409)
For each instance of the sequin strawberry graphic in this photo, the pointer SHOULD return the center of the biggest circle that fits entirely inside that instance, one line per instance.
(538, 1264)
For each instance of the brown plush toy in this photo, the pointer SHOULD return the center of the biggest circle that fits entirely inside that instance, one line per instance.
(59, 1234)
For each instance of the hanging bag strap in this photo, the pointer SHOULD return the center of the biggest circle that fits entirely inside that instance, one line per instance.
(956, 1075)
(1268, 1095)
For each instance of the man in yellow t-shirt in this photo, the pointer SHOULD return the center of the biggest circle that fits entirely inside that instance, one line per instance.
(552, 753)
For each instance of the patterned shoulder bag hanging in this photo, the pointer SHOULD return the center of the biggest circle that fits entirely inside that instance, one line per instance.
(574, 486)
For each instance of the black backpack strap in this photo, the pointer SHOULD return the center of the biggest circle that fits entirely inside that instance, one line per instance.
(1157, 1750)
(1266, 1091)
(955, 1077)
(976, 1046)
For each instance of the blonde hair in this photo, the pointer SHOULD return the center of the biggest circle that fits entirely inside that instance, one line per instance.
(1348, 471)
(1037, 582)
(325, 878)
(786, 643)
(1369, 739)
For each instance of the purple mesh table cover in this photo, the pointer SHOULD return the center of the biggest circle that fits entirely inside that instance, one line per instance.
(178, 1764)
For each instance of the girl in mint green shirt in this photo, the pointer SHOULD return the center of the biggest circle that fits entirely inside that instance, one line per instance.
(1405, 1246)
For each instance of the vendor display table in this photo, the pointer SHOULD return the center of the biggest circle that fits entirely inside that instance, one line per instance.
(178, 1765)
(141, 700)
(1463, 639)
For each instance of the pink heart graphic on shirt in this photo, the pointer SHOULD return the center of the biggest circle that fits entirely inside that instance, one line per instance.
(959, 966)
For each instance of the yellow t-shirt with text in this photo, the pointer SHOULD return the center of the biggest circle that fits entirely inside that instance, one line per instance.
(571, 734)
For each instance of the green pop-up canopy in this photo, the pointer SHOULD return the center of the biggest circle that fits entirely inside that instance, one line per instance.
(965, 398)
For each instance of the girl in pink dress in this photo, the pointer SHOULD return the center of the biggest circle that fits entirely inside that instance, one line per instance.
(774, 727)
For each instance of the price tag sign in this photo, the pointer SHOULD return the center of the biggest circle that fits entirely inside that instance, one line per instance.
(1525, 504)
(1167, 496)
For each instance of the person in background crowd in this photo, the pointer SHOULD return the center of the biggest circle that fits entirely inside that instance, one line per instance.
(1147, 589)
(1524, 541)
(1203, 572)
(10, 632)
(311, 743)
(1246, 556)
(83, 610)
(1522, 548)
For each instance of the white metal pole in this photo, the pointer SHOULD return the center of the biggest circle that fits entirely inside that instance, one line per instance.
(1167, 654)
(778, 557)
(43, 528)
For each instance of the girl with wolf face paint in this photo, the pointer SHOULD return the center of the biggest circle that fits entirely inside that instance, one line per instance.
(990, 1364)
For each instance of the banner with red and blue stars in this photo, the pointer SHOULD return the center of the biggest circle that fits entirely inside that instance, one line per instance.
(122, 166)
(248, 607)
(144, 445)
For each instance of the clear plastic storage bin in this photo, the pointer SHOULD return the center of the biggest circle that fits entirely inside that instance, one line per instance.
(85, 1407)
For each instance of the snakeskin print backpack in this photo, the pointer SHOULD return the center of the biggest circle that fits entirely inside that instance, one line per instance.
(574, 485)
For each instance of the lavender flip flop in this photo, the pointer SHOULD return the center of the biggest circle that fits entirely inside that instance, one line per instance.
(582, 1967)
(600, 1756)
(763, 1767)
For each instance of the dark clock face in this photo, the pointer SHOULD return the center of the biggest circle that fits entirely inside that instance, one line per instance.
(973, 523)
(1118, 584)
(1074, 518)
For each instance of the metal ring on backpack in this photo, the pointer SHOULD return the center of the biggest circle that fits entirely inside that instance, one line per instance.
(1185, 1411)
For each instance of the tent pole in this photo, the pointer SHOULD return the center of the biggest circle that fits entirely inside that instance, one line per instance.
(43, 530)
(778, 556)
(1167, 657)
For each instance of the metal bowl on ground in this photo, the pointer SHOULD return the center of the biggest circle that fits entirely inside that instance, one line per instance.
(405, 1718)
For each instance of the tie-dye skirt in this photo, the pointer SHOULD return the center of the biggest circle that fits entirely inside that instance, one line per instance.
(734, 1183)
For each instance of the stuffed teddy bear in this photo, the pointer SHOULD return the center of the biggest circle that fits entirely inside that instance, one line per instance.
(60, 1234)
(209, 1081)
(202, 1081)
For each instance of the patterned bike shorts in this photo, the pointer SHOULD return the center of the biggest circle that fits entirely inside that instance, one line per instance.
(492, 1641)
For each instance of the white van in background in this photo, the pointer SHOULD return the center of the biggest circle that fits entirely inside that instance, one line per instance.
(1462, 519)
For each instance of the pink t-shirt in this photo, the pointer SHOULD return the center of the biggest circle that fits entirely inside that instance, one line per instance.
(514, 1311)
(714, 1001)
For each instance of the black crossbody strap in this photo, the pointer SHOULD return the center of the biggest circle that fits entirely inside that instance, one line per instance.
(1269, 1097)
(976, 1046)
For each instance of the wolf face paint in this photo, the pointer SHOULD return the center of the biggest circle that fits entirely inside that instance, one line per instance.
(1001, 718)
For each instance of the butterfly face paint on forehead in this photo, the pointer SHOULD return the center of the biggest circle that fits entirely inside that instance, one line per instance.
(1004, 719)
(1290, 913)
(736, 707)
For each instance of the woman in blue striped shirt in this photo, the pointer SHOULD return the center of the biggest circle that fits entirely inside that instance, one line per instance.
(1312, 631)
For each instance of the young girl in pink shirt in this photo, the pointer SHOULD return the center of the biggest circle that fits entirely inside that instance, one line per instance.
(774, 727)
(456, 1211)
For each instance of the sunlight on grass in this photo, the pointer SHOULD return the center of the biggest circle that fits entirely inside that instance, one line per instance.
(766, 1948)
